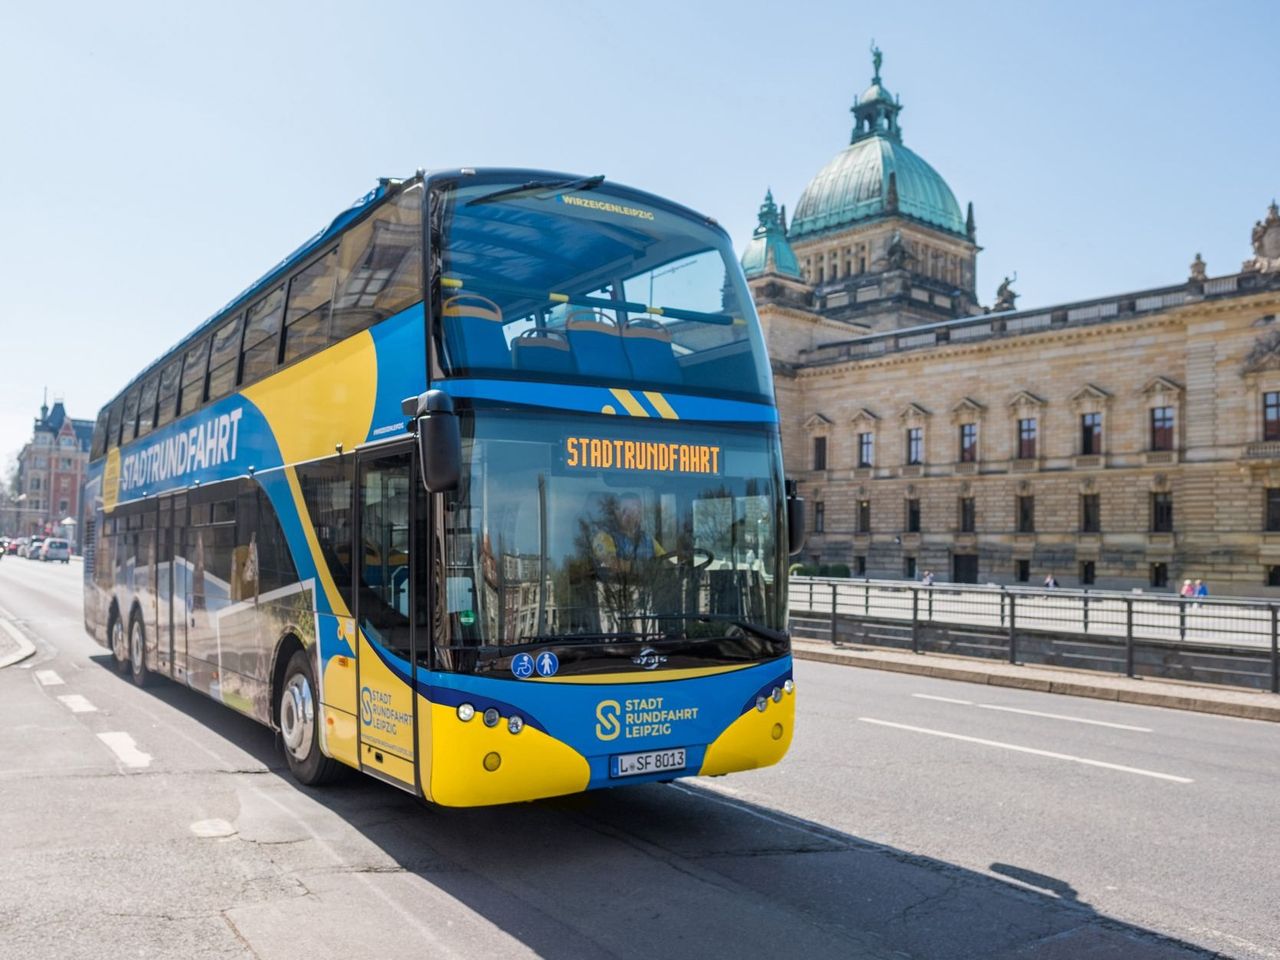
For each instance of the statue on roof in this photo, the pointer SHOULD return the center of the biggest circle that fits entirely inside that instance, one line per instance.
(876, 59)
(1266, 244)
(897, 253)
(1199, 270)
(1006, 298)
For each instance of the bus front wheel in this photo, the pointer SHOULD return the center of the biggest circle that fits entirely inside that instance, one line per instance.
(299, 724)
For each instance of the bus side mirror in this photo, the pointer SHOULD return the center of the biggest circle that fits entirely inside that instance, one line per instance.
(795, 519)
(439, 439)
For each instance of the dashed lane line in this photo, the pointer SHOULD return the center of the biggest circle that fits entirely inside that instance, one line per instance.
(77, 704)
(930, 696)
(49, 678)
(125, 749)
(1031, 750)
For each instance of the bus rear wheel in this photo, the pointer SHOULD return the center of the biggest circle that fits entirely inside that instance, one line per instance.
(299, 714)
(138, 652)
(119, 644)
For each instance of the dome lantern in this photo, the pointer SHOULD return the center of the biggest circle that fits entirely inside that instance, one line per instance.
(876, 111)
(769, 251)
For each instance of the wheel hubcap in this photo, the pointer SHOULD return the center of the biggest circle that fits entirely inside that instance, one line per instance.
(297, 717)
(135, 647)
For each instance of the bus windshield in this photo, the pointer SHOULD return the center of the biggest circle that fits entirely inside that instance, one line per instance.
(582, 281)
(620, 533)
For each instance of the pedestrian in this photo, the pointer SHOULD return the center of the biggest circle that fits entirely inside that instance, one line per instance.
(1202, 590)
(1050, 582)
(1187, 590)
(927, 579)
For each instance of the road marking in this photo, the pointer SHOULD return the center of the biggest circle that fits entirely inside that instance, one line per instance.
(1032, 750)
(1033, 713)
(77, 703)
(125, 749)
(1059, 716)
(48, 678)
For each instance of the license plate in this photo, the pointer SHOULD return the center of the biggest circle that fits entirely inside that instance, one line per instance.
(653, 761)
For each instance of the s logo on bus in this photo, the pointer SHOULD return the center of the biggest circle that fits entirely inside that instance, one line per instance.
(608, 727)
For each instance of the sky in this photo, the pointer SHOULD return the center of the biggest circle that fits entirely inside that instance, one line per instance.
(158, 157)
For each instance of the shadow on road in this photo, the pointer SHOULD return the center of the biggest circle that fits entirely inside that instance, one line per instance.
(684, 870)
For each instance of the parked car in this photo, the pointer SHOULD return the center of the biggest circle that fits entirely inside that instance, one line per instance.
(55, 548)
(33, 548)
(12, 546)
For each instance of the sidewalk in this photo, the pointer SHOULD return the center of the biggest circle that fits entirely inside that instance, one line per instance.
(14, 647)
(1226, 701)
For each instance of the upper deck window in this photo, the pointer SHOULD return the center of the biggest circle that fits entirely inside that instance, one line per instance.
(590, 283)
(379, 269)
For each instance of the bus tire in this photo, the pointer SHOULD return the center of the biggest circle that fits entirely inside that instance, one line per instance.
(138, 652)
(119, 643)
(299, 712)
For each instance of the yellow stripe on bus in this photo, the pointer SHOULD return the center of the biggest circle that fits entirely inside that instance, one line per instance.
(660, 404)
(631, 404)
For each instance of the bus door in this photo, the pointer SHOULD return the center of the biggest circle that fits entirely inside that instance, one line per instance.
(164, 587)
(384, 614)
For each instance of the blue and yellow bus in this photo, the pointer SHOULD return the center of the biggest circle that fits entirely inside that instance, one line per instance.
(478, 491)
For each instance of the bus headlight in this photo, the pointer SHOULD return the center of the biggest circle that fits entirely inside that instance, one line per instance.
(491, 717)
(789, 685)
(515, 724)
(761, 703)
(776, 694)
(465, 712)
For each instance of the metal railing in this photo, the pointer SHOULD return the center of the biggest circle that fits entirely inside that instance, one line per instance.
(1198, 638)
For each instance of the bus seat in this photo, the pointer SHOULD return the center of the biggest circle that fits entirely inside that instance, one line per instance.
(544, 351)
(597, 345)
(648, 347)
(473, 332)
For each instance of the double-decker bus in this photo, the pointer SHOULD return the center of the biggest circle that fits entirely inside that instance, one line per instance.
(479, 491)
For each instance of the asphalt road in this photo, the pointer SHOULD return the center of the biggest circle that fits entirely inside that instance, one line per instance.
(913, 818)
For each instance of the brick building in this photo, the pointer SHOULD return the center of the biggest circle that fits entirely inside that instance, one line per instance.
(51, 471)
(1125, 442)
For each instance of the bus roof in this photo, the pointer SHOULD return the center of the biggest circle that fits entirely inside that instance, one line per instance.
(385, 188)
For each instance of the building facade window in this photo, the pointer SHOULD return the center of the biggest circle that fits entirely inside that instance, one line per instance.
(968, 515)
(1159, 575)
(1026, 507)
(859, 566)
(864, 516)
(866, 449)
(819, 517)
(1022, 571)
(1162, 512)
(915, 446)
(1273, 576)
(1162, 428)
(1271, 416)
(1272, 515)
(819, 453)
(1090, 513)
(909, 567)
(1087, 575)
(1090, 434)
(1027, 433)
(968, 442)
(913, 515)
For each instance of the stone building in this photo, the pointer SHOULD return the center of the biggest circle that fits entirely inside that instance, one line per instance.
(1129, 441)
(51, 471)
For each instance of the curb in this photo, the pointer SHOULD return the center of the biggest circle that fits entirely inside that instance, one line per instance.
(1185, 699)
(25, 647)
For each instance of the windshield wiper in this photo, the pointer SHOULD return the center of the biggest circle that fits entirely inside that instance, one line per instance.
(539, 186)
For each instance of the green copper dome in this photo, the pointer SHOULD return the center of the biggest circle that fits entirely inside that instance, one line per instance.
(768, 250)
(856, 185)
